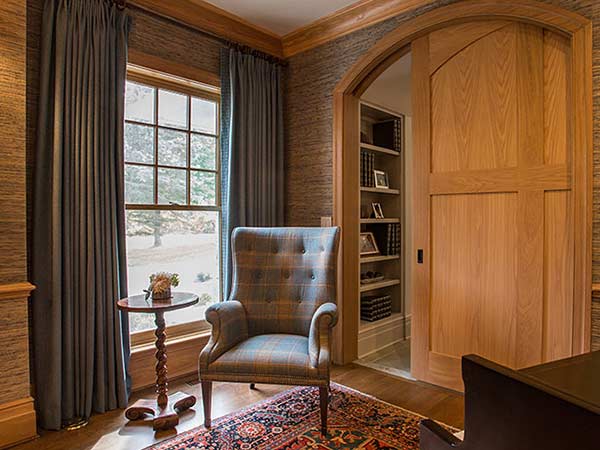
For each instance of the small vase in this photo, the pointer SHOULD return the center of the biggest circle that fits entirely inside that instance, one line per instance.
(162, 296)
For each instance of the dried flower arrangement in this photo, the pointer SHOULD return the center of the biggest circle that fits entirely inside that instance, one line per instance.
(161, 283)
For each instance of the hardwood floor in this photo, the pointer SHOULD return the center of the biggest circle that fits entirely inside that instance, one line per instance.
(111, 430)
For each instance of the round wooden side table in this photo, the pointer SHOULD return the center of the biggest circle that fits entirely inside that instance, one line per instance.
(165, 408)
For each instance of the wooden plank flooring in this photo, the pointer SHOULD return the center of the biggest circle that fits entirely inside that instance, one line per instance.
(111, 430)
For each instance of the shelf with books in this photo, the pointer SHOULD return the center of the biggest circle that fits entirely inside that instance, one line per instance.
(381, 194)
(377, 148)
(395, 317)
(378, 258)
(379, 285)
(374, 190)
(375, 221)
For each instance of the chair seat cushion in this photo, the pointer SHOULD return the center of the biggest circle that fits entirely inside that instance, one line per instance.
(277, 355)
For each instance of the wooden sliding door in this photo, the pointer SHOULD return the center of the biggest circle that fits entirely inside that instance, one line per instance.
(494, 203)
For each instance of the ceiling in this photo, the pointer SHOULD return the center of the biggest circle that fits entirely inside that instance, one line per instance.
(281, 16)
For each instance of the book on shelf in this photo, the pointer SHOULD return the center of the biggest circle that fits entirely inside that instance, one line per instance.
(367, 164)
(389, 134)
(375, 307)
(388, 238)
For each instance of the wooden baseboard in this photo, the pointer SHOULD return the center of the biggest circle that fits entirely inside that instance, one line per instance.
(380, 337)
(17, 422)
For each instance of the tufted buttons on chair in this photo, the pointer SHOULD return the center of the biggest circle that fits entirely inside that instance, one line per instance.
(312, 276)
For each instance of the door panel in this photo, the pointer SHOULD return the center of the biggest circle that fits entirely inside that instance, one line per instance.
(460, 272)
(493, 203)
(558, 276)
(474, 107)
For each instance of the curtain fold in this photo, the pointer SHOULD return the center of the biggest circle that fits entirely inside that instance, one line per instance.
(252, 155)
(80, 339)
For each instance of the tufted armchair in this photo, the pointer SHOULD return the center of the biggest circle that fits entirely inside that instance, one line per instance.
(276, 326)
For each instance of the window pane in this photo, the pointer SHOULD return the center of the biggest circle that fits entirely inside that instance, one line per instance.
(139, 184)
(172, 109)
(139, 102)
(204, 152)
(171, 186)
(172, 147)
(183, 242)
(139, 143)
(204, 116)
(204, 188)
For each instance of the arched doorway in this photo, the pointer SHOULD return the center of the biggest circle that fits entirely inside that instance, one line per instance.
(577, 30)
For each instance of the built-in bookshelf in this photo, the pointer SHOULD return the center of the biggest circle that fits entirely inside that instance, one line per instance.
(382, 145)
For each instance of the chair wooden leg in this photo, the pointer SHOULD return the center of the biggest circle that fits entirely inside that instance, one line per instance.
(324, 397)
(252, 386)
(206, 401)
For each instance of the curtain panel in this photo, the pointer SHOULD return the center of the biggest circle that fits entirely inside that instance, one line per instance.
(252, 143)
(80, 340)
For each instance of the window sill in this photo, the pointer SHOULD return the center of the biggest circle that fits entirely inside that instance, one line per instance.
(182, 353)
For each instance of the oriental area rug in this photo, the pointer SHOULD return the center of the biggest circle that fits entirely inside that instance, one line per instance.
(291, 421)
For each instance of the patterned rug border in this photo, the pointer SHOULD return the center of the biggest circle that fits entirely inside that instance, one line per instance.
(254, 406)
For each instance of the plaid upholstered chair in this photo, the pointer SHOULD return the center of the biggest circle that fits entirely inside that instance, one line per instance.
(276, 326)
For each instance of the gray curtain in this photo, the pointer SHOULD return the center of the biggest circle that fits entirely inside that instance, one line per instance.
(252, 146)
(80, 340)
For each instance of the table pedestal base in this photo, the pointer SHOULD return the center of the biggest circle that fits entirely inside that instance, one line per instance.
(164, 418)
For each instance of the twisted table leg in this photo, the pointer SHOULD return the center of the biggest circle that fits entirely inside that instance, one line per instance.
(166, 408)
(162, 382)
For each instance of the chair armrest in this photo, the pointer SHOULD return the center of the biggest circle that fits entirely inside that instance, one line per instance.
(435, 437)
(229, 328)
(323, 320)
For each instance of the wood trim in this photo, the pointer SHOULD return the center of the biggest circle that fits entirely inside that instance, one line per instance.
(183, 360)
(347, 20)
(15, 290)
(187, 72)
(420, 286)
(353, 85)
(548, 178)
(17, 422)
(354, 17)
(202, 15)
(581, 140)
(550, 16)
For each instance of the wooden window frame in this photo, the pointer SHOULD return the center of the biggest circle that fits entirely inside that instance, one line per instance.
(160, 74)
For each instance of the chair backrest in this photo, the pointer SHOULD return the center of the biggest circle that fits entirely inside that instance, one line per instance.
(282, 275)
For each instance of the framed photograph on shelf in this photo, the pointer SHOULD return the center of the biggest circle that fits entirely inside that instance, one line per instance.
(377, 210)
(368, 246)
(381, 179)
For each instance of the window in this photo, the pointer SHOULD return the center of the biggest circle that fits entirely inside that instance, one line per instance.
(172, 179)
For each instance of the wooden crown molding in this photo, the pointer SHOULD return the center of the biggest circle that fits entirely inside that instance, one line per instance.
(201, 15)
(15, 290)
(204, 16)
(352, 18)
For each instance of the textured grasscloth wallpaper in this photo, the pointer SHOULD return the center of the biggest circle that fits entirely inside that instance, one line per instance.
(312, 76)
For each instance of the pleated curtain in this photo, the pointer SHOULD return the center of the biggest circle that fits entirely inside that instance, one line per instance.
(252, 146)
(80, 339)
